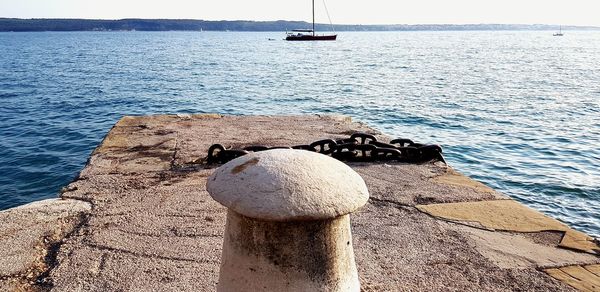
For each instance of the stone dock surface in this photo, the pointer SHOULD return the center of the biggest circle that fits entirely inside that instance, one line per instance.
(138, 218)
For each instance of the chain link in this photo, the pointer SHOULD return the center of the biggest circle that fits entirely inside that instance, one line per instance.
(360, 147)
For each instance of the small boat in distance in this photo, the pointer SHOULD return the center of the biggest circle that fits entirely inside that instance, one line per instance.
(559, 33)
(309, 34)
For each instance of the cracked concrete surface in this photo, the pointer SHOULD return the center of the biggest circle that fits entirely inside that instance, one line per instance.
(29, 236)
(153, 226)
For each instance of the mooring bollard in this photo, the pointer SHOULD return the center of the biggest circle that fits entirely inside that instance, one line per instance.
(288, 223)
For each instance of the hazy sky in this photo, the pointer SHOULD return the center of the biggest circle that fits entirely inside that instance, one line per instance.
(572, 12)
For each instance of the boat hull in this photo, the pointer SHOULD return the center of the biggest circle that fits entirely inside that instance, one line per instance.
(311, 38)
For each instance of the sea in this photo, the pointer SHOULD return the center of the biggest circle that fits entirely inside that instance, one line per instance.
(516, 110)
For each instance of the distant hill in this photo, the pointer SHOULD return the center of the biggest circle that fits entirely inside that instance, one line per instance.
(16, 24)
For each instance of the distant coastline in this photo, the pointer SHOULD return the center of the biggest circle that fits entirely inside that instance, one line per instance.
(24, 25)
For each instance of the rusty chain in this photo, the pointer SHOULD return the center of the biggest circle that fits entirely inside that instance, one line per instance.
(360, 147)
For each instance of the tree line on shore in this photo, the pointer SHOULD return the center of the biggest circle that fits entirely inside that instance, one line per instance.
(20, 25)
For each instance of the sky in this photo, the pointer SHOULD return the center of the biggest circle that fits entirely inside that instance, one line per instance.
(572, 12)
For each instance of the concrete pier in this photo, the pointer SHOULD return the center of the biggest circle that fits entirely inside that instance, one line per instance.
(135, 219)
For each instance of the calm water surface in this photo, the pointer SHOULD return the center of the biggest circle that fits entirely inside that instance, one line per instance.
(519, 111)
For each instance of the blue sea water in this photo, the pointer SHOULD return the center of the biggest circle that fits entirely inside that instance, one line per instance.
(519, 111)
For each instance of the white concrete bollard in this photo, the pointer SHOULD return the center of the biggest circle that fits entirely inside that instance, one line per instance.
(288, 223)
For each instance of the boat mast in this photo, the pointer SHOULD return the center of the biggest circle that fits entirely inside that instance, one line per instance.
(313, 10)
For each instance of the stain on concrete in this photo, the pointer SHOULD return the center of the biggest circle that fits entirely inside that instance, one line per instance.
(245, 165)
(316, 248)
(30, 239)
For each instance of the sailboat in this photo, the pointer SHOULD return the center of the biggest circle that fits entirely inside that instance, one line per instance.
(559, 33)
(309, 34)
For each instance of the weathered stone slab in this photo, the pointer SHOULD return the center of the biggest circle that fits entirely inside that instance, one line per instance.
(508, 215)
(582, 278)
(91, 269)
(28, 235)
(399, 248)
(517, 250)
(154, 227)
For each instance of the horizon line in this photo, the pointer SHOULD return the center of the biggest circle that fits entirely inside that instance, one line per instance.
(282, 20)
